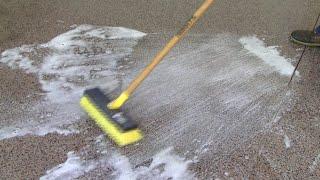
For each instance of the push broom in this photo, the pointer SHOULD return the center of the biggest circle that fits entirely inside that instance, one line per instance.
(108, 115)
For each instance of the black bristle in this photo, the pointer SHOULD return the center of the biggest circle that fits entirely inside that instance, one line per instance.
(100, 100)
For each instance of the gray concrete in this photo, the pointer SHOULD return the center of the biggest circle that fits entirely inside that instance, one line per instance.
(184, 103)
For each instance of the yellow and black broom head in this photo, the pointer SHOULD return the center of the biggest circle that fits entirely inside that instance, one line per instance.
(114, 123)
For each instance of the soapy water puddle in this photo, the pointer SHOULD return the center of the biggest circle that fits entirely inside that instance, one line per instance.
(84, 57)
(109, 164)
(90, 56)
(231, 83)
(210, 96)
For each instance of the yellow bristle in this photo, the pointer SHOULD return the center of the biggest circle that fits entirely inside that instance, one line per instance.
(109, 127)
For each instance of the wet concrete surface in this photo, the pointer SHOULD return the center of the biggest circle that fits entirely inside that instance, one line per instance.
(4, 20)
(258, 153)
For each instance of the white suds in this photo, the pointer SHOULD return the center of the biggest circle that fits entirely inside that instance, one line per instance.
(121, 33)
(315, 163)
(164, 165)
(81, 58)
(269, 54)
(287, 141)
(73, 168)
(10, 132)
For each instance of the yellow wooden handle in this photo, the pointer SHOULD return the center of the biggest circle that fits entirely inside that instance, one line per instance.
(118, 102)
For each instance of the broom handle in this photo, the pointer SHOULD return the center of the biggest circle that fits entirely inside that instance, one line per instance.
(117, 103)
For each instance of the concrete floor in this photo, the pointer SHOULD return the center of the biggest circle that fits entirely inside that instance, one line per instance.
(250, 147)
